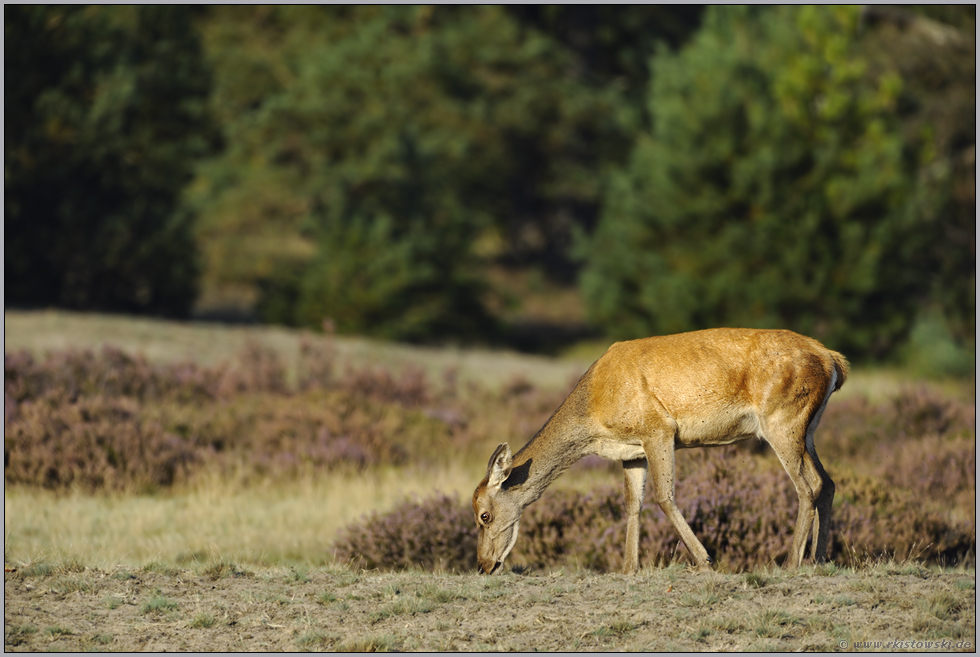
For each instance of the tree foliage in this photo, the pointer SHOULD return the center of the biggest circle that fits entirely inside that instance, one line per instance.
(775, 189)
(613, 43)
(104, 116)
(931, 50)
(427, 137)
(802, 167)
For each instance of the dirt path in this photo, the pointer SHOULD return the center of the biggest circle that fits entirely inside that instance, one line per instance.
(221, 608)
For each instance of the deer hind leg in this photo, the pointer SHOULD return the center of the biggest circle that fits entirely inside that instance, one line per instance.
(820, 481)
(635, 474)
(821, 485)
(660, 455)
(799, 465)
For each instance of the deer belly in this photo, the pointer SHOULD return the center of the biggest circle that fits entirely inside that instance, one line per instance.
(615, 450)
(703, 432)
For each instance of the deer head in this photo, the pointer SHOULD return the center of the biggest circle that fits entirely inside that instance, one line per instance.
(498, 512)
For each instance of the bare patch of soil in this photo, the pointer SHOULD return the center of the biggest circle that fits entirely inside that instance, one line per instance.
(224, 608)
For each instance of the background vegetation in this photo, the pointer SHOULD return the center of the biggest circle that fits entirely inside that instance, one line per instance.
(319, 456)
(544, 178)
(524, 176)
(105, 119)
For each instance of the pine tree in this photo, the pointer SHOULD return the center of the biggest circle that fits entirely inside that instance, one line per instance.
(105, 114)
(775, 189)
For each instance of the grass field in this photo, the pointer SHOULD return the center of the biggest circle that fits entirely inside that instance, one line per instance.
(139, 557)
(268, 523)
(224, 606)
(208, 344)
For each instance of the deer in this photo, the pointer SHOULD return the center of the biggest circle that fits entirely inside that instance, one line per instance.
(643, 399)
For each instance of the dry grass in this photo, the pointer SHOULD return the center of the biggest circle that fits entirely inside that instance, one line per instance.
(340, 608)
(269, 523)
(209, 344)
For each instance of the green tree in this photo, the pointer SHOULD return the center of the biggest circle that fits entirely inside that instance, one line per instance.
(105, 113)
(775, 189)
(933, 50)
(378, 154)
(612, 44)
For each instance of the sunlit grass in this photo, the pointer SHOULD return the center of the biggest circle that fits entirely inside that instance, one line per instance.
(205, 343)
(270, 523)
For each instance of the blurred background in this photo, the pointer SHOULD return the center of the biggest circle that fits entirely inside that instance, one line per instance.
(383, 224)
(536, 178)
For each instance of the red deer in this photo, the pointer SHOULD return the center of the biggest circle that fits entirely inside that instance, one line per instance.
(643, 399)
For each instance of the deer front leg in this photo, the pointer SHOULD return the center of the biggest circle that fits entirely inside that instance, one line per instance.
(660, 454)
(635, 474)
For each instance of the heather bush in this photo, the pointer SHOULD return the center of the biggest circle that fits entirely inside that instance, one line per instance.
(905, 468)
(934, 467)
(875, 520)
(743, 510)
(241, 420)
(566, 527)
(186, 397)
(744, 518)
(318, 430)
(410, 389)
(112, 373)
(317, 361)
(115, 442)
(438, 533)
(921, 411)
(857, 427)
(95, 442)
(260, 370)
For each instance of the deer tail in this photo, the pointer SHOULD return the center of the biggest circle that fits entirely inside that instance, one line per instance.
(842, 367)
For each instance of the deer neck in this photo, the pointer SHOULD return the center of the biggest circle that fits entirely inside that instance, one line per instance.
(561, 442)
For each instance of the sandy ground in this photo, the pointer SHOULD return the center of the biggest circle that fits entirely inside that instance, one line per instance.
(225, 608)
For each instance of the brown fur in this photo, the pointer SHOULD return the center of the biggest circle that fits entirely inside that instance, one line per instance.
(645, 398)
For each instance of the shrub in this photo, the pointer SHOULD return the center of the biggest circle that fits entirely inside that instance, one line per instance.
(857, 427)
(922, 411)
(744, 515)
(110, 420)
(434, 533)
(109, 373)
(410, 389)
(876, 520)
(96, 442)
(317, 359)
(260, 370)
(937, 468)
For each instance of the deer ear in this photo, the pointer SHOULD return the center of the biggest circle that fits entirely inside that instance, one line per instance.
(499, 467)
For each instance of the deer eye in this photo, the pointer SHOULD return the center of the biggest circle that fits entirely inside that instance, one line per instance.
(485, 517)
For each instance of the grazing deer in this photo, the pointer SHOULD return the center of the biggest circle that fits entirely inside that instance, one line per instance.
(644, 399)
